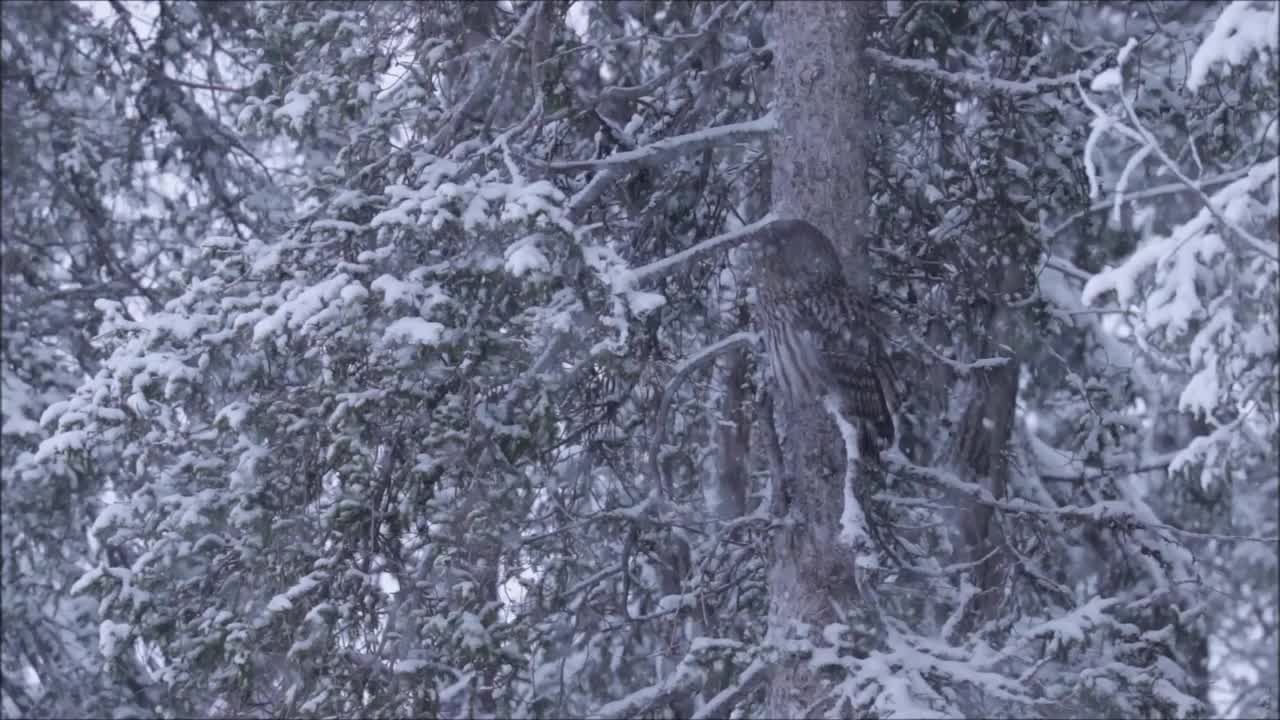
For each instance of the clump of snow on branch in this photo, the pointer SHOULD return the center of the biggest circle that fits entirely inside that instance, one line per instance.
(1201, 295)
(626, 299)
(853, 520)
(1244, 28)
(524, 257)
(414, 331)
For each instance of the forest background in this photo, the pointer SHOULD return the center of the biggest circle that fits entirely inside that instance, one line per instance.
(399, 359)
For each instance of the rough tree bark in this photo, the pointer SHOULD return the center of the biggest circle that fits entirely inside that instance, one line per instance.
(819, 174)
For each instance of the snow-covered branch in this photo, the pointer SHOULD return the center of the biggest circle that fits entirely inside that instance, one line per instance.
(725, 700)
(1145, 194)
(1178, 246)
(1115, 513)
(682, 683)
(854, 533)
(661, 151)
(1103, 123)
(687, 679)
(1153, 145)
(659, 268)
(961, 367)
(978, 84)
(585, 197)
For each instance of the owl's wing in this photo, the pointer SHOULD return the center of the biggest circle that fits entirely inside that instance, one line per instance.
(859, 367)
(850, 352)
(860, 371)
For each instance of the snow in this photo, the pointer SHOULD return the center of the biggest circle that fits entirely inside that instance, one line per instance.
(295, 108)
(314, 615)
(53, 412)
(642, 302)
(234, 414)
(313, 704)
(185, 477)
(1052, 461)
(283, 602)
(1186, 705)
(1106, 81)
(354, 292)
(1135, 161)
(671, 603)
(343, 226)
(409, 667)
(112, 636)
(527, 201)
(395, 290)
(17, 399)
(1200, 396)
(1201, 450)
(1177, 262)
(1123, 56)
(453, 693)
(414, 330)
(86, 580)
(1241, 30)
(977, 83)
(471, 633)
(660, 151)
(853, 521)
(388, 583)
(63, 441)
(16, 423)
(659, 268)
(397, 215)
(296, 311)
(1098, 129)
(524, 257)
(476, 216)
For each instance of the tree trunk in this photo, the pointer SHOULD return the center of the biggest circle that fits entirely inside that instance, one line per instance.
(819, 175)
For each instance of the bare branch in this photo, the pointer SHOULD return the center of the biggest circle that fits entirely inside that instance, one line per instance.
(203, 86)
(1114, 512)
(1157, 191)
(1139, 134)
(1151, 142)
(985, 363)
(618, 92)
(699, 359)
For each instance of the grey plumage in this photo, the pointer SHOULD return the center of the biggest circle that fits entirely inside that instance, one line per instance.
(819, 335)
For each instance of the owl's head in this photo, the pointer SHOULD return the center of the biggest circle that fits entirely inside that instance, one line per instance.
(795, 248)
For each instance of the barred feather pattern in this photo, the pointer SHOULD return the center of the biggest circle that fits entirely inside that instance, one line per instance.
(817, 333)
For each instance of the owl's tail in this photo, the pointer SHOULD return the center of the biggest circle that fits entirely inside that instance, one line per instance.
(875, 435)
(868, 396)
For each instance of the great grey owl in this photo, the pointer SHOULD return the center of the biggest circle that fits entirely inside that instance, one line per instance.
(818, 334)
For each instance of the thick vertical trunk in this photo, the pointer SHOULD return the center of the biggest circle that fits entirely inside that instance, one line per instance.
(733, 439)
(819, 154)
(819, 174)
(980, 451)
